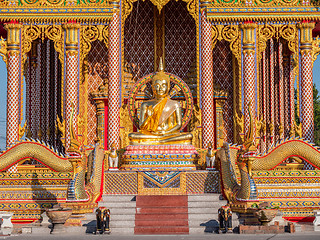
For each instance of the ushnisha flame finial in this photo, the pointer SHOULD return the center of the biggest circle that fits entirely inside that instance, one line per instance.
(161, 69)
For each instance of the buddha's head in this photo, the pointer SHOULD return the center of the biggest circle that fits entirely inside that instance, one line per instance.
(161, 82)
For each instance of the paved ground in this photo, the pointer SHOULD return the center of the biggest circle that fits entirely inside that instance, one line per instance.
(295, 236)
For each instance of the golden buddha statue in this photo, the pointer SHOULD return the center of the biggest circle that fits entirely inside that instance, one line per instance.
(160, 119)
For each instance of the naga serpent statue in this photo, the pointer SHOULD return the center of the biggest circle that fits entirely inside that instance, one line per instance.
(78, 189)
(228, 156)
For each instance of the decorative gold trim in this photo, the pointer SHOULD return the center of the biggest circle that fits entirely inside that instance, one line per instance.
(53, 32)
(315, 48)
(293, 16)
(162, 191)
(127, 6)
(3, 49)
(289, 32)
(159, 37)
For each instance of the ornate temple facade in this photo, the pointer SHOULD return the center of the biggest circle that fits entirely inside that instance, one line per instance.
(79, 71)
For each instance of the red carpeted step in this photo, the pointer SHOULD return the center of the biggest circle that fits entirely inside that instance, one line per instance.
(158, 210)
(161, 215)
(161, 230)
(162, 201)
(167, 222)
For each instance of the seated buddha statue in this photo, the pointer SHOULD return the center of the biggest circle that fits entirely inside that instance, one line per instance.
(160, 119)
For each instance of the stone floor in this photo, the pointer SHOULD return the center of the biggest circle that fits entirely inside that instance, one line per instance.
(72, 236)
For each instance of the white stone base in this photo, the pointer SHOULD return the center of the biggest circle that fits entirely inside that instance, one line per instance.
(316, 222)
(113, 169)
(6, 218)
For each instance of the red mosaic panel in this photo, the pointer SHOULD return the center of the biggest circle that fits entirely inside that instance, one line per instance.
(13, 96)
(307, 96)
(249, 89)
(114, 83)
(206, 83)
(72, 73)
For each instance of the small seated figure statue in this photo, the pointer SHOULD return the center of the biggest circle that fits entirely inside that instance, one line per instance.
(210, 157)
(113, 158)
(161, 117)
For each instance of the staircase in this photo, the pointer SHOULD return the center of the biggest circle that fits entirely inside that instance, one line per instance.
(161, 215)
(203, 213)
(165, 214)
(122, 214)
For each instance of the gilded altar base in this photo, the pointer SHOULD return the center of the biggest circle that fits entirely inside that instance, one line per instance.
(161, 182)
(160, 158)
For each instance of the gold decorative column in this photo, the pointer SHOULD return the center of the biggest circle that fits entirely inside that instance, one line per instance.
(249, 74)
(72, 79)
(14, 81)
(306, 80)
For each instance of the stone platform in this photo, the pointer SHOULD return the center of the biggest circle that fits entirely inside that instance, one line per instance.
(161, 182)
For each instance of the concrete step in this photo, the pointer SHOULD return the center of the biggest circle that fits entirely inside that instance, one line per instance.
(122, 217)
(121, 224)
(204, 224)
(122, 231)
(122, 211)
(204, 210)
(202, 230)
(202, 216)
(111, 205)
(161, 230)
(205, 204)
(119, 198)
(204, 198)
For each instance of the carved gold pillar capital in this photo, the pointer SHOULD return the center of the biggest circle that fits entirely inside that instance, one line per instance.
(306, 35)
(13, 39)
(72, 36)
(248, 36)
(204, 4)
(115, 5)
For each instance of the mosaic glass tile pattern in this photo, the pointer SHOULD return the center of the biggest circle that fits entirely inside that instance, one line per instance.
(203, 182)
(120, 183)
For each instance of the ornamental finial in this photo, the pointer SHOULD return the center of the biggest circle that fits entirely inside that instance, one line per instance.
(161, 69)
